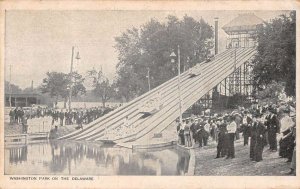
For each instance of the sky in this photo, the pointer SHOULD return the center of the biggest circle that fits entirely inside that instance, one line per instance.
(40, 41)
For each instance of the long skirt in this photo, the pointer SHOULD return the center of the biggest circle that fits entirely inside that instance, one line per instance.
(252, 147)
(259, 146)
(293, 163)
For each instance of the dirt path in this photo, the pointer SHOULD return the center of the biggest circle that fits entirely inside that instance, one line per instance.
(271, 165)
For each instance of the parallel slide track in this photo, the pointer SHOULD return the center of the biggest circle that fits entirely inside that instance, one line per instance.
(192, 89)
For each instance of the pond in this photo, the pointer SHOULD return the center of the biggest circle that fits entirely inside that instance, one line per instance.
(80, 158)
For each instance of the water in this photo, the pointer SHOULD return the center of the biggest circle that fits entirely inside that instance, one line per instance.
(77, 158)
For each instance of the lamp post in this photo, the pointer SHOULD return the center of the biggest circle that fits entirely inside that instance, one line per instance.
(148, 76)
(173, 56)
(71, 72)
(71, 76)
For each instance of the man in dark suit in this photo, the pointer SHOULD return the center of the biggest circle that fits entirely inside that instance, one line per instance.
(273, 128)
(221, 148)
(200, 133)
(259, 144)
(253, 136)
(193, 131)
(246, 127)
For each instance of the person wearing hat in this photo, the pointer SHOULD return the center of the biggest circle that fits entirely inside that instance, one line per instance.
(231, 130)
(246, 127)
(178, 132)
(221, 147)
(206, 132)
(259, 142)
(238, 120)
(196, 129)
(181, 132)
(253, 136)
(200, 133)
(272, 128)
(193, 131)
(293, 162)
(286, 121)
(226, 121)
(286, 143)
(187, 134)
(213, 127)
(217, 130)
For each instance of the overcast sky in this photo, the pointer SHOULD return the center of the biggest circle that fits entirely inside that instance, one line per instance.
(41, 41)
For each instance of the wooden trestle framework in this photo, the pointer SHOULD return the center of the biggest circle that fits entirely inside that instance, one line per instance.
(237, 88)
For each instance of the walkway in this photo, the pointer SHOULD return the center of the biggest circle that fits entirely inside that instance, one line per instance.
(241, 165)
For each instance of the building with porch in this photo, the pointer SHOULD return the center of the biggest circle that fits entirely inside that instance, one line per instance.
(22, 100)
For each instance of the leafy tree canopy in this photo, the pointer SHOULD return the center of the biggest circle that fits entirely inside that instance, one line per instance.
(271, 92)
(151, 46)
(276, 58)
(57, 84)
(102, 87)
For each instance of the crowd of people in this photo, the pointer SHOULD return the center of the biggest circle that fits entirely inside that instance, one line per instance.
(269, 125)
(59, 117)
(78, 116)
(16, 115)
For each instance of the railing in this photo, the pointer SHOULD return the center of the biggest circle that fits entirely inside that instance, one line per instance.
(25, 138)
(38, 125)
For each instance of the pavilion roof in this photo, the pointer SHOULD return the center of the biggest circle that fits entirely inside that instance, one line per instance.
(242, 23)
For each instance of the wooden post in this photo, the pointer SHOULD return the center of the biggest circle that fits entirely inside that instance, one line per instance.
(26, 138)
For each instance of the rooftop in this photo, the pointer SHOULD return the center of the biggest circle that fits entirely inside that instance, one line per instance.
(244, 22)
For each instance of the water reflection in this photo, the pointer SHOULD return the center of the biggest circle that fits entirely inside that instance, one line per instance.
(73, 158)
(18, 155)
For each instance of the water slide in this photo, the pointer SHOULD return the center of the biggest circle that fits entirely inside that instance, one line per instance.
(207, 75)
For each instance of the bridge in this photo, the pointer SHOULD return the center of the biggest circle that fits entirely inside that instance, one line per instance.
(207, 76)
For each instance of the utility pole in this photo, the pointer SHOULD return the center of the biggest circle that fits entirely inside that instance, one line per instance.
(10, 86)
(216, 35)
(71, 75)
(173, 56)
(179, 88)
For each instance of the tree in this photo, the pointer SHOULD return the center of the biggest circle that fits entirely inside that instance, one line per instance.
(32, 90)
(271, 92)
(14, 88)
(150, 46)
(101, 85)
(58, 84)
(276, 57)
(77, 84)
